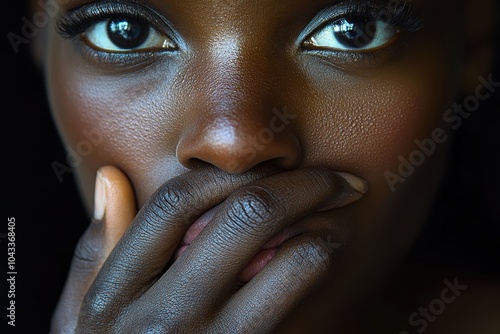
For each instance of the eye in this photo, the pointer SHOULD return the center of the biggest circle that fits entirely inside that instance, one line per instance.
(126, 34)
(352, 34)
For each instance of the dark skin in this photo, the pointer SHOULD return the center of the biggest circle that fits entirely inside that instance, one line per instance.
(180, 134)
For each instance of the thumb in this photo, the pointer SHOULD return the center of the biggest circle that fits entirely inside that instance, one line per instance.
(114, 210)
(114, 207)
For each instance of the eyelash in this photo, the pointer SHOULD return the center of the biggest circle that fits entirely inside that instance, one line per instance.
(400, 15)
(79, 20)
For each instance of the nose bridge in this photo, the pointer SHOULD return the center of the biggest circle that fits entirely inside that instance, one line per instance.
(237, 77)
(239, 122)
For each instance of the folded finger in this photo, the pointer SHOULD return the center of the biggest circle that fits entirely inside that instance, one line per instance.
(246, 221)
(297, 268)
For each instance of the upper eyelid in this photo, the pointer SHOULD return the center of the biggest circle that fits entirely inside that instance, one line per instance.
(326, 15)
(112, 3)
(349, 7)
(105, 9)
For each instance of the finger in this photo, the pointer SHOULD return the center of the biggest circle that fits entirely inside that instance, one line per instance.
(290, 276)
(144, 251)
(245, 222)
(114, 210)
(120, 209)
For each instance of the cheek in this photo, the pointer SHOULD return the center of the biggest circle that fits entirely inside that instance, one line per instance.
(363, 123)
(373, 119)
(130, 132)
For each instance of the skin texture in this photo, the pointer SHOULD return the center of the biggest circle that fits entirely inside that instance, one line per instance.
(175, 133)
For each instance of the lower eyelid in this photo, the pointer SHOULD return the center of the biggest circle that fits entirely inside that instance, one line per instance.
(116, 62)
(359, 61)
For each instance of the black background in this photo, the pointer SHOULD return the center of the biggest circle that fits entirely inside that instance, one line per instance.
(463, 232)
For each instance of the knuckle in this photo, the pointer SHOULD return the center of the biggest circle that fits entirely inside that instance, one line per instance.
(171, 196)
(167, 203)
(251, 209)
(164, 321)
(95, 310)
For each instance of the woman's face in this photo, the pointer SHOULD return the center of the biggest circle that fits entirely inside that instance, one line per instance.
(167, 86)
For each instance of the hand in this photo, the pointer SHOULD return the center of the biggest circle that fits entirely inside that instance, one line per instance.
(114, 211)
(137, 291)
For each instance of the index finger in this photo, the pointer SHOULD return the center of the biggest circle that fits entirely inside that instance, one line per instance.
(244, 223)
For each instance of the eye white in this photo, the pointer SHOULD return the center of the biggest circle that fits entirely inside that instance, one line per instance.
(98, 36)
(375, 35)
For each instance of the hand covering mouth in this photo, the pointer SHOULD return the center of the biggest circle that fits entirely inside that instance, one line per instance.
(256, 264)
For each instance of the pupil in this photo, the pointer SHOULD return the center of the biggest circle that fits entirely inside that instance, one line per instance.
(127, 33)
(355, 32)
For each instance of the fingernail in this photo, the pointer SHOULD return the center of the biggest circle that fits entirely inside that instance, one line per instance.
(360, 185)
(99, 197)
(347, 196)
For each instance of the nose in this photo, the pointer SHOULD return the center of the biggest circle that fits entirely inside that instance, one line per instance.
(237, 122)
(237, 145)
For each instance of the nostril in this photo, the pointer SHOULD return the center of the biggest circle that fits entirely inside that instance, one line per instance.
(282, 163)
(239, 157)
(194, 163)
(237, 146)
